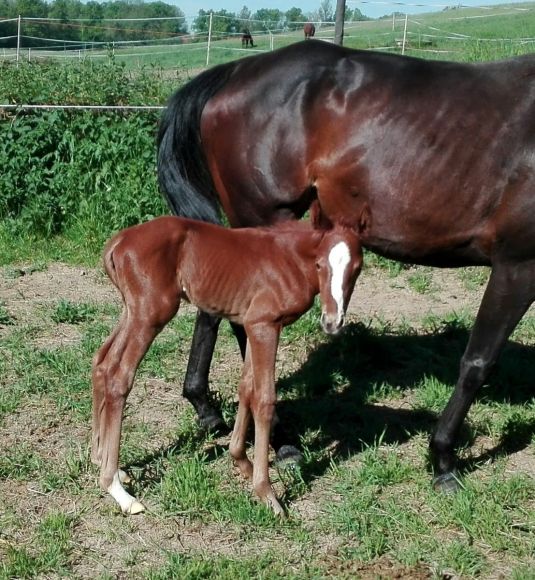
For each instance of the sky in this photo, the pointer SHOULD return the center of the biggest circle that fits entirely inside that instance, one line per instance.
(371, 8)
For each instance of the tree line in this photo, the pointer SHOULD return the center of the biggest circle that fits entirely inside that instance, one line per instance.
(80, 23)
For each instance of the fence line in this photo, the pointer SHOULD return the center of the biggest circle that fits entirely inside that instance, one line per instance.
(83, 107)
(209, 41)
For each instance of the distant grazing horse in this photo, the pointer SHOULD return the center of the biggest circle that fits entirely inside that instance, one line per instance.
(261, 278)
(247, 38)
(442, 154)
(309, 29)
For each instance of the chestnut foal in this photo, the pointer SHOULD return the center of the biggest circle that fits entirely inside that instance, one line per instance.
(261, 278)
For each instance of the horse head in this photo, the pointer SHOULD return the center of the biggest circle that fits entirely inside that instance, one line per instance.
(338, 265)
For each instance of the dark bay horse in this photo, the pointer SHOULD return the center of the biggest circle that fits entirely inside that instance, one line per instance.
(441, 154)
(246, 39)
(260, 278)
(309, 29)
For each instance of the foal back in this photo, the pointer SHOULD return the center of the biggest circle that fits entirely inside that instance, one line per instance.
(242, 275)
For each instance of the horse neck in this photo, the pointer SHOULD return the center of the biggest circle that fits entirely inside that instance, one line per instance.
(304, 246)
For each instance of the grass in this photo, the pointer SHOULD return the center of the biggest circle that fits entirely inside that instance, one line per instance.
(360, 405)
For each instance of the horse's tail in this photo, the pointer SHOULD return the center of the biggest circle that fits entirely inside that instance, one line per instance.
(183, 173)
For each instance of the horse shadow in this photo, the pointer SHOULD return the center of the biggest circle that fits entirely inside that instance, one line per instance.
(329, 395)
(362, 360)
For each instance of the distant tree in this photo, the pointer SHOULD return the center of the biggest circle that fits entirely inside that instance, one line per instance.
(326, 11)
(269, 19)
(69, 27)
(223, 23)
(294, 18)
(355, 15)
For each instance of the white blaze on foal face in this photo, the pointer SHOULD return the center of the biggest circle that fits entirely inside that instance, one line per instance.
(339, 258)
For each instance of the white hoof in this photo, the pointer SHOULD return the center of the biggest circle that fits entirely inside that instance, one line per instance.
(128, 503)
(276, 507)
(135, 508)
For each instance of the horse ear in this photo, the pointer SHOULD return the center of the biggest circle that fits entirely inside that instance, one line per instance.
(318, 219)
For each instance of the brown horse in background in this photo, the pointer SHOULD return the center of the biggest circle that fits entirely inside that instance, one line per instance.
(441, 153)
(309, 29)
(260, 278)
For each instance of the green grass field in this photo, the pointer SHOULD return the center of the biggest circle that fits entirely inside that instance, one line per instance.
(465, 34)
(361, 407)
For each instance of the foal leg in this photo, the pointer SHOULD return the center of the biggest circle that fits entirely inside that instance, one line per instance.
(263, 342)
(113, 376)
(287, 455)
(510, 291)
(99, 388)
(243, 417)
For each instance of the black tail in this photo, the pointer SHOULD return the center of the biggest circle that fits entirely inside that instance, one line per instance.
(183, 174)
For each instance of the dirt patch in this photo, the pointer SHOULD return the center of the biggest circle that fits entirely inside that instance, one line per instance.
(377, 295)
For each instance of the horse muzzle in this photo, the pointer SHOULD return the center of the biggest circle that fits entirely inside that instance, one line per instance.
(331, 324)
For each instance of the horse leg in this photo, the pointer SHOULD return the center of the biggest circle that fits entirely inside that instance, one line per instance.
(510, 291)
(243, 417)
(263, 342)
(99, 391)
(195, 388)
(287, 455)
(114, 370)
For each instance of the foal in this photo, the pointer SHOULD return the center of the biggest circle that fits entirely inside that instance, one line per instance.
(261, 278)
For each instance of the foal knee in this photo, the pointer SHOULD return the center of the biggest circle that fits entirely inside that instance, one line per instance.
(263, 407)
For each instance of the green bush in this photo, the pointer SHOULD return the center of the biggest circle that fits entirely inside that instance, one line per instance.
(72, 171)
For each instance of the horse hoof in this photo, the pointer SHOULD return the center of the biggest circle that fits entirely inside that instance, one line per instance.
(135, 508)
(276, 508)
(447, 483)
(288, 457)
(214, 425)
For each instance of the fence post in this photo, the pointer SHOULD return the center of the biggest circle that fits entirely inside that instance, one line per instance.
(404, 35)
(18, 40)
(209, 39)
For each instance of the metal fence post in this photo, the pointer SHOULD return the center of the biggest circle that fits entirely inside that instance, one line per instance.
(209, 39)
(18, 40)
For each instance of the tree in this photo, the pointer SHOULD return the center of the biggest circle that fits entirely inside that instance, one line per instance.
(269, 20)
(326, 11)
(223, 22)
(294, 18)
(355, 15)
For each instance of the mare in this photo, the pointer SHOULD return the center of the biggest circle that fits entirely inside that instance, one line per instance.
(247, 39)
(261, 278)
(441, 154)
(309, 29)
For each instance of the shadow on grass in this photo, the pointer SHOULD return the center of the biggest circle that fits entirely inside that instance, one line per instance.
(361, 359)
(364, 359)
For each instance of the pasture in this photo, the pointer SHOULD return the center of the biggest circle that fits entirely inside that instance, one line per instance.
(360, 405)
(463, 34)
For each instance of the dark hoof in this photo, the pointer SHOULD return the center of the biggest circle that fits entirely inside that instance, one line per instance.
(288, 457)
(447, 483)
(214, 425)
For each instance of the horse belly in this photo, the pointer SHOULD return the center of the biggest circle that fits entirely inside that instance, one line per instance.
(257, 161)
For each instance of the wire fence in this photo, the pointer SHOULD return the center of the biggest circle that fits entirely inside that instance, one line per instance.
(399, 33)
